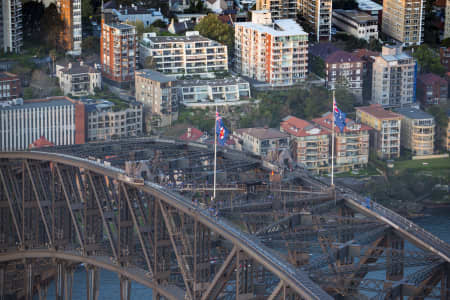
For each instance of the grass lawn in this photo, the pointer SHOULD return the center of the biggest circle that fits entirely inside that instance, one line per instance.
(369, 171)
(438, 167)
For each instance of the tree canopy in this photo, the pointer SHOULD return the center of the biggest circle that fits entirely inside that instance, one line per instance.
(211, 27)
(428, 60)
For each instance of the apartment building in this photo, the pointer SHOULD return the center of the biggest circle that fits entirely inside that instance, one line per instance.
(345, 69)
(10, 86)
(385, 136)
(261, 141)
(418, 131)
(279, 9)
(357, 23)
(404, 21)
(368, 58)
(78, 79)
(432, 89)
(137, 13)
(394, 76)
(60, 120)
(447, 20)
(156, 92)
(191, 54)
(11, 33)
(272, 52)
(318, 13)
(118, 53)
(227, 91)
(105, 123)
(351, 146)
(444, 53)
(310, 144)
(70, 11)
(448, 131)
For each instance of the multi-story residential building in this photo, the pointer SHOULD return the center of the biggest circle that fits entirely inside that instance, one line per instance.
(225, 91)
(261, 141)
(318, 14)
(346, 69)
(135, 13)
(447, 20)
(351, 146)
(444, 53)
(404, 21)
(192, 54)
(432, 89)
(156, 92)
(370, 7)
(78, 79)
(418, 131)
(448, 131)
(275, 53)
(10, 86)
(394, 78)
(309, 143)
(118, 53)
(106, 123)
(11, 26)
(385, 138)
(70, 11)
(368, 58)
(280, 9)
(60, 120)
(357, 23)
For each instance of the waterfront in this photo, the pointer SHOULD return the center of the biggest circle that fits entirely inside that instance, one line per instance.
(437, 222)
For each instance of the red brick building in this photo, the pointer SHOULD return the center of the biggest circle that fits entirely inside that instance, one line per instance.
(345, 68)
(445, 57)
(118, 53)
(10, 86)
(432, 89)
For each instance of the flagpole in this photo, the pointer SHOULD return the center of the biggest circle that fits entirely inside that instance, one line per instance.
(215, 156)
(332, 149)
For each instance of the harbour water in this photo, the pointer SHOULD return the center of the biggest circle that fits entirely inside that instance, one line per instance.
(437, 222)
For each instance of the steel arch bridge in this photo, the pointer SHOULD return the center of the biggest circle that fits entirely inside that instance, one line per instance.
(271, 241)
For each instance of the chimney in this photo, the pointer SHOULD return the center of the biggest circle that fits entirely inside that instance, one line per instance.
(70, 66)
(189, 132)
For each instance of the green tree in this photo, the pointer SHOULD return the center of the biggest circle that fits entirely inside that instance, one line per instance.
(90, 45)
(211, 27)
(428, 60)
(317, 66)
(86, 9)
(446, 42)
(52, 27)
(28, 93)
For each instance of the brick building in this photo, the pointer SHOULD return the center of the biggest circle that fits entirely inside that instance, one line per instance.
(345, 68)
(272, 52)
(385, 138)
(118, 53)
(10, 86)
(368, 58)
(309, 143)
(444, 53)
(432, 89)
(351, 146)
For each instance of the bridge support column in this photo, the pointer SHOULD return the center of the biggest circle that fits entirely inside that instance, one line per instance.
(59, 285)
(125, 288)
(445, 283)
(395, 257)
(68, 282)
(92, 282)
(28, 280)
(2, 281)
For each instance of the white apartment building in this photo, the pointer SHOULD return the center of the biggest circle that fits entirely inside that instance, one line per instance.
(78, 79)
(357, 23)
(404, 20)
(318, 14)
(22, 123)
(192, 54)
(11, 26)
(261, 141)
(272, 52)
(394, 78)
(104, 123)
(136, 13)
(213, 91)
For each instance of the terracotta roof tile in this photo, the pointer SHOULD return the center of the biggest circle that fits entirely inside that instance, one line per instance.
(378, 111)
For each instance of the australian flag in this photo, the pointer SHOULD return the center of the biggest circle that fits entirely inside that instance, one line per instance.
(339, 116)
(221, 130)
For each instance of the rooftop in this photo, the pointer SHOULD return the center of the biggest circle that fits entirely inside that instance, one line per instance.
(120, 26)
(368, 5)
(138, 10)
(191, 134)
(38, 103)
(283, 27)
(377, 111)
(356, 15)
(413, 113)
(342, 57)
(322, 50)
(167, 39)
(263, 133)
(78, 68)
(8, 76)
(298, 127)
(211, 82)
(154, 75)
(431, 78)
(351, 126)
